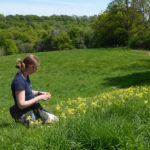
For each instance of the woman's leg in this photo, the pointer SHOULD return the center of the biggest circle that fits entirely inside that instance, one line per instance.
(28, 117)
(47, 116)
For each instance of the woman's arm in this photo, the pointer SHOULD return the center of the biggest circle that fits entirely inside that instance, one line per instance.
(20, 97)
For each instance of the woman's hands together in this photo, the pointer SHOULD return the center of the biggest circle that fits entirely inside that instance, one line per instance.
(44, 96)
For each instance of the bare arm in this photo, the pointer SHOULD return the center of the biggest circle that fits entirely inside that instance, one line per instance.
(20, 96)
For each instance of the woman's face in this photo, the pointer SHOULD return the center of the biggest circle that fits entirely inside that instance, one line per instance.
(32, 69)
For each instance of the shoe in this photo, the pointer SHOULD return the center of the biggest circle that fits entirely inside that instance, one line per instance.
(52, 118)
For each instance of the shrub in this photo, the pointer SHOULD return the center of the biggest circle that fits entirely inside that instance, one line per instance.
(10, 47)
(1, 52)
(62, 41)
(140, 41)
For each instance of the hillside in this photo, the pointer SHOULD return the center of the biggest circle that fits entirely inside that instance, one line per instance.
(101, 96)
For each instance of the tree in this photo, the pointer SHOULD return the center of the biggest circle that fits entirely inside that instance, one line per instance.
(76, 34)
(10, 47)
(62, 41)
(109, 28)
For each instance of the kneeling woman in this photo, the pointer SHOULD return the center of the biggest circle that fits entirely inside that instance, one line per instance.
(26, 100)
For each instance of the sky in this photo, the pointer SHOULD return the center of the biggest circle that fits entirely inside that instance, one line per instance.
(50, 7)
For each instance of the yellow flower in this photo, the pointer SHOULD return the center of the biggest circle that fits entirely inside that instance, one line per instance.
(94, 104)
(28, 118)
(84, 111)
(146, 101)
(81, 106)
(70, 111)
(139, 95)
(109, 103)
(40, 121)
(36, 122)
(123, 100)
(103, 110)
(69, 102)
(57, 107)
(63, 115)
(31, 123)
(81, 99)
(62, 102)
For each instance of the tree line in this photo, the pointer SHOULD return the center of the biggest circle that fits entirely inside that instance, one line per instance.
(31, 33)
(123, 23)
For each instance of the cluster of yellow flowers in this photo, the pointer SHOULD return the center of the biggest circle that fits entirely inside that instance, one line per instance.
(33, 123)
(73, 108)
(3, 110)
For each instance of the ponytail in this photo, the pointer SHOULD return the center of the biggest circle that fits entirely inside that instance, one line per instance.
(20, 65)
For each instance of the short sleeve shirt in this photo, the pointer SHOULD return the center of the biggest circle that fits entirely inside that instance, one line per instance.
(20, 83)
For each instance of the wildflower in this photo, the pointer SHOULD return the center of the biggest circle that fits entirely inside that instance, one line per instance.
(145, 90)
(139, 95)
(69, 102)
(81, 106)
(36, 122)
(81, 99)
(123, 100)
(28, 118)
(63, 115)
(103, 110)
(94, 104)
(84, 111)
(71, 111)
(31, 123)
(146, 101)
(131, 93)
(40, 121)
(62, 102)
(57, 107)
(73, 101)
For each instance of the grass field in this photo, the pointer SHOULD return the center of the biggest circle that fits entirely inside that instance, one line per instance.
(100, 95)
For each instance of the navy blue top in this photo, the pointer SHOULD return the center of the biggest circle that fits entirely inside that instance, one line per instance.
(20, 83)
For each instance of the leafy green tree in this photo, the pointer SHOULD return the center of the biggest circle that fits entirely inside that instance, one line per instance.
(10, 47)
(109, 29)
(62, 41)
(76, 34)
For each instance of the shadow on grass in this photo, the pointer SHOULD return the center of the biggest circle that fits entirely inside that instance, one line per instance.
(5, 125)
(134, 79)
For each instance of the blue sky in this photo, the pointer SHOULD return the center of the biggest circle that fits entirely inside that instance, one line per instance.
(50, 7)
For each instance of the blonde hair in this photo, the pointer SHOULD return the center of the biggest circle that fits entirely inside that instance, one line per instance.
(28, 60)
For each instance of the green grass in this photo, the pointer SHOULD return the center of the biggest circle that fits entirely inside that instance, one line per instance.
(114, 116)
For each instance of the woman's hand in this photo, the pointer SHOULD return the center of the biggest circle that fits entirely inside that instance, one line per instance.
(37, 93)
(45, 96)
(44, 93)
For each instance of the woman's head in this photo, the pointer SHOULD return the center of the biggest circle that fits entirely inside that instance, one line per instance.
(28, 62)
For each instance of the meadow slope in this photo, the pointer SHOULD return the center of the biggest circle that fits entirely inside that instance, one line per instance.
(101, 96)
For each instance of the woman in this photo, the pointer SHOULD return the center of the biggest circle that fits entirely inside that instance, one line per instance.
(27, 108)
